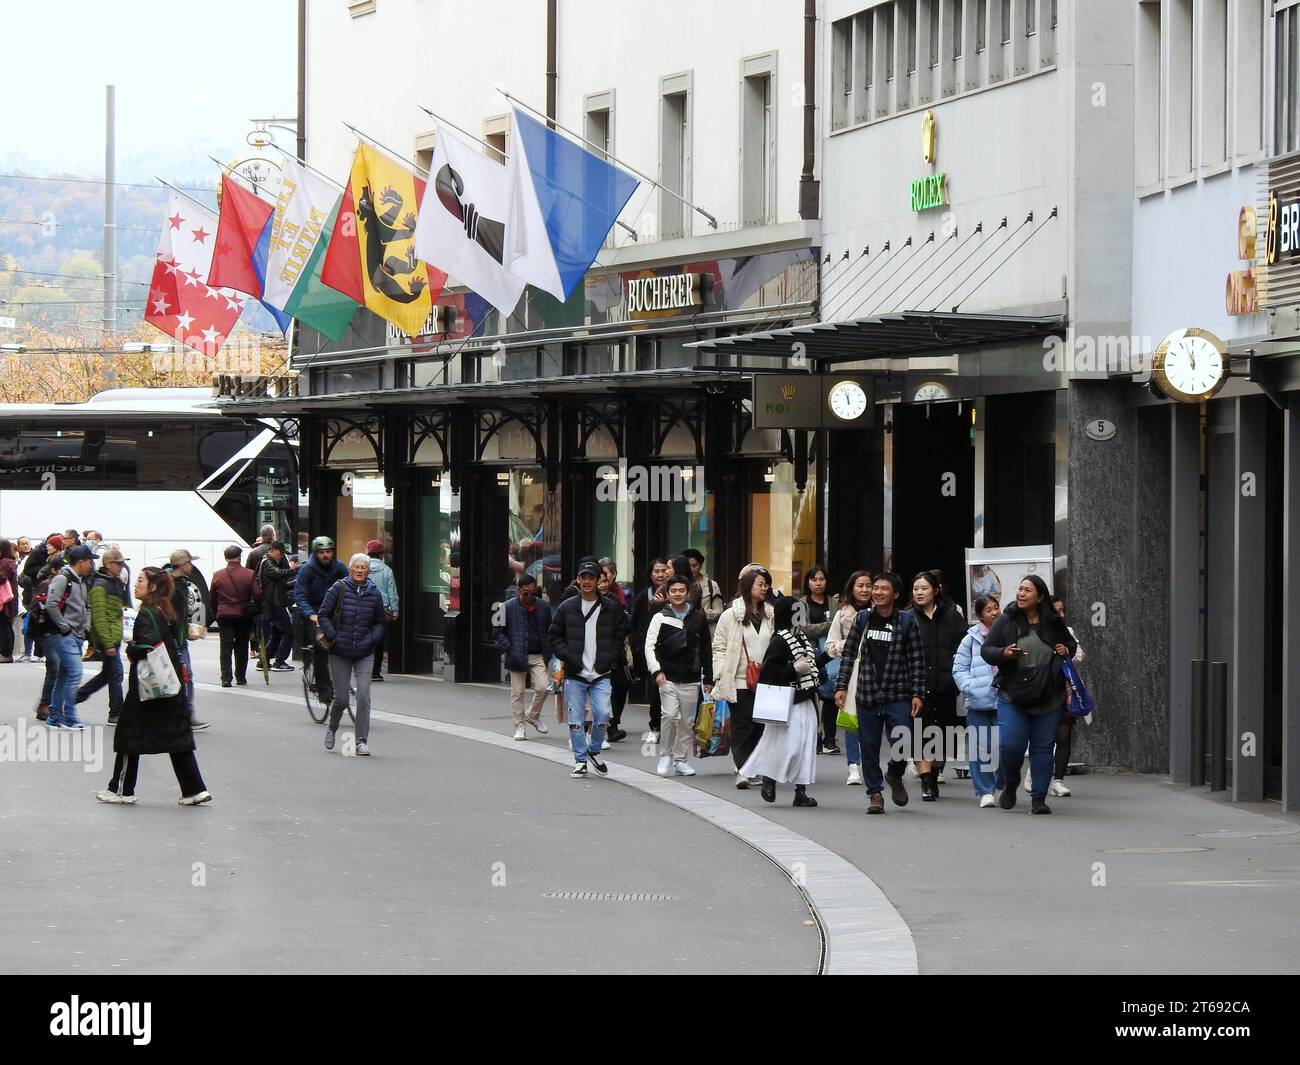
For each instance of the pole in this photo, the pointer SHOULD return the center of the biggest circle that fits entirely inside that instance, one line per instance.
(713, 222)
(552, 74)
(110, 214)
(1218, 700)
(1200, 675)
(256, 191)
(299, 159)
(302, 79)
(181, 192)
(380, 144)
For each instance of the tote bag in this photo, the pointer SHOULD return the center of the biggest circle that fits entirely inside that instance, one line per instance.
(772, 703)
(6, 594)
(156, 676)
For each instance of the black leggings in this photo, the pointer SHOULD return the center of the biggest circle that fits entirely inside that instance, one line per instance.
(745, 731)
(6, 635)
(830, 715)
(126, 767)
(1064, 741)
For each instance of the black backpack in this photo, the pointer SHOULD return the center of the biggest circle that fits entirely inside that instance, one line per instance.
(40, 624)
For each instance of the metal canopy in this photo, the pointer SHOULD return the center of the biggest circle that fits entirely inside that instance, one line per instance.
(886, 336)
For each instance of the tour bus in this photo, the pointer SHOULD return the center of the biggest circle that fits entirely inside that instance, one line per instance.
(153, 469)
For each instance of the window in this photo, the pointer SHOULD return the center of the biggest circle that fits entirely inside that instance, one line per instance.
(597, 131)
(357, 8)
(1182, 88)
(1286, 127)
(1214, 84)
(934, 33)
(1031, 17)
(981, 25)
(758, 141)
(1251, 59)
(1149, 99)
(1004, 23)
(841, 72)
(675, 154)
(958, 18)
(908, 11)
(887, 14)
(496, 137)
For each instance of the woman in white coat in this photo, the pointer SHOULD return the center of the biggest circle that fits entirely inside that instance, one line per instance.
(739, 643)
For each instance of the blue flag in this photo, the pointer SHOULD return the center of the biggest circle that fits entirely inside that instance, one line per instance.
(563, 201)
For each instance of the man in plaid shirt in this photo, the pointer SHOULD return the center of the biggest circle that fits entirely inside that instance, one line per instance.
(886, 647)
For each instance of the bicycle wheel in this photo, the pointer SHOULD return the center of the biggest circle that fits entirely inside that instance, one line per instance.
(316, 707)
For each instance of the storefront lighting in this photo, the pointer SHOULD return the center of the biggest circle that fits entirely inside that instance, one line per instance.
(436, 482)
(528, 479)
(688, 472)
(503, 477)
(610, 475)
(770, 475)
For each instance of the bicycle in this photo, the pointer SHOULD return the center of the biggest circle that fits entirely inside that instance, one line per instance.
(317, 697)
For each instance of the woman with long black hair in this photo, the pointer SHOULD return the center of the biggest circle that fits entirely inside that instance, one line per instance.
(743, 633)
(1027, 644)
(942, 630)
(819, 606)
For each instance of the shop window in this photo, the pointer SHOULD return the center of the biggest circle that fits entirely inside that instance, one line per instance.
(533, 515)
(783, 528)
(363, 512)
(438, 577)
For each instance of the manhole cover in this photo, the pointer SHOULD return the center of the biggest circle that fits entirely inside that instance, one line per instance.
(610, 896)
(1154, 850)
(1247, 833)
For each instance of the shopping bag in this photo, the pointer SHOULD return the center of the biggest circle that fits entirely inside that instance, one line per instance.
(848, 717)
(772, 703)
(156, 676)
(1080, 699)
(830, 674)
(713, 729)
(6, 594)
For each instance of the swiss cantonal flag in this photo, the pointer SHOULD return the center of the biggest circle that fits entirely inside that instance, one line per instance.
(180, 302)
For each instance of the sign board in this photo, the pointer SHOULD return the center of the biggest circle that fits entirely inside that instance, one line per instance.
(998, 571)
(813, 401)
(662, 292)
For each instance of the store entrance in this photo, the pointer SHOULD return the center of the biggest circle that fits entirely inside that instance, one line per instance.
(934, 492)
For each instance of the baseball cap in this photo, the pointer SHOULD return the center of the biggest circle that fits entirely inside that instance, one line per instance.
(180, 556)
(374, 545)
(81, 553)
(589, 568)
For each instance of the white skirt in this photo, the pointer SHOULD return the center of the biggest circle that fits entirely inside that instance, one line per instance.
(787, 753)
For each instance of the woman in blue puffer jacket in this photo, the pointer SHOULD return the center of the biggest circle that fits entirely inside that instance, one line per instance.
(974, 679)
(352, 619)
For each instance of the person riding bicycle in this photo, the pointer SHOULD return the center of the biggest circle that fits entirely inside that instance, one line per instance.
(314, 579)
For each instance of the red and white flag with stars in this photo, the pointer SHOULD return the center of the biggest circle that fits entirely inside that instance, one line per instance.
(181, 303)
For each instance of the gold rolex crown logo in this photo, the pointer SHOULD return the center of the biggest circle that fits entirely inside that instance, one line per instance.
(788, 391)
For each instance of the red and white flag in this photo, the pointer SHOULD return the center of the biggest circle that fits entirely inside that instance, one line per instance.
(181, 303)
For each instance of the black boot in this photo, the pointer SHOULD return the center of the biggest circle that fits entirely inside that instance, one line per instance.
(769, 790)
(801, 796)
(929, 789)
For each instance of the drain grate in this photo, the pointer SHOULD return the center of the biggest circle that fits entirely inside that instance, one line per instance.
(610, 896)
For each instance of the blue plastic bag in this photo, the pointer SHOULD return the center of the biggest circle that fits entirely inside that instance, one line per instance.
(1081, 701)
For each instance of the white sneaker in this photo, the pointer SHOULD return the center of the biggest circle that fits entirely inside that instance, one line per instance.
(519, 732)
(22, 658)
(939, 779)
(1029, 785)
(665, 765)
(987, 801)
(650, 737)
(538, 724)
(194, 800)
(855, 776)
(681, 769)
(114, 797)
(1058, 789)
(911, 769)
(606, 745)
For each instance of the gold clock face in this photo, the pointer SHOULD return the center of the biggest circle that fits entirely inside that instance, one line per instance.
(1190, 365)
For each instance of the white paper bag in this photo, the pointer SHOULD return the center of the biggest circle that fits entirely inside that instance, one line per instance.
(156, 676)
(772, 703)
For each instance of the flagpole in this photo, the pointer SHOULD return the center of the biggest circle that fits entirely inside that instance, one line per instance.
(478, 140)
(179, 192)
(377, 144)
(631, 169)
(303, 162)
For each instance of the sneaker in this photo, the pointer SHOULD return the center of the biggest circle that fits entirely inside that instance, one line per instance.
(242, 681)
(876, 803)
(829, 748)
(605, 744)
(112, 720)
(987, 801)
(538, 724)
(22, 658)
(281, 667)
(72, 726)
(194, 800)
(115, 799)
(1039, 806)
(650, 737)
(614, 734)
(579, 770)
(199, 726)
(665, 765)
(329, 739)
(226, 684)
(855, 776)
(376, 678)
(1058, 789)
(596, 764)
(683, 769)
(755, 782)
(1029, 785)
(1007, 798)
(742, 783)
(938, 778)
(363, 749)
(897, 790)
(519, 732)
(43, 712)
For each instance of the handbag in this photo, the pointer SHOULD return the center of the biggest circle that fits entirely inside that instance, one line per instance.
(1026, 686)
(772, 703)
(156, 676)
(323, 641)
(1081, 701)
(751, 667)
(6, 594)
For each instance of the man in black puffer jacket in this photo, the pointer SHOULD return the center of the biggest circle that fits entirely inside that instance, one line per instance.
(587, 634)
(352, 619)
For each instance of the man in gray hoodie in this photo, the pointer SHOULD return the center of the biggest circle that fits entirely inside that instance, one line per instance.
(68, 616)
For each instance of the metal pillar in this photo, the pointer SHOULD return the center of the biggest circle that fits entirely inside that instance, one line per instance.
(1248, 636)
(1184, 589)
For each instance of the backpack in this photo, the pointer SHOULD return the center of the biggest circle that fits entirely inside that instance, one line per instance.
(40, 624)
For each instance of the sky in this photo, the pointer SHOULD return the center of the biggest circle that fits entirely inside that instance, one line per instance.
(189, 76)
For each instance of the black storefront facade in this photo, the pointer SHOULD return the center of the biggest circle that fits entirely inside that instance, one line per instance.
(487, 448)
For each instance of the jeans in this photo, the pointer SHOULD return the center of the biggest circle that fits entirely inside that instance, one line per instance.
(981, 735)
(679, 703)
(852, 747)
(342, 671)
(518, 678)
(872, 723)
(110, 673)
(235, 633)
(65, 651)
(576, 693)
(1018, 729)
(279, 642)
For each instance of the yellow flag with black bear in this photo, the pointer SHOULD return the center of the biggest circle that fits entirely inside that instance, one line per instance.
(394, 283)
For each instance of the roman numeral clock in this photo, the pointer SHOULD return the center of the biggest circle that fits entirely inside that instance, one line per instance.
(1190, 366)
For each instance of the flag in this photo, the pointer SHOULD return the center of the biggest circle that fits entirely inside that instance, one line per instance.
(563, 200)
(393, 283)
(462, 228)
(304, 215)
(242, 241)
(341, 269)
(181, 302)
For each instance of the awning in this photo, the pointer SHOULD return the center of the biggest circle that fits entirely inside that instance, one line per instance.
(886, 336)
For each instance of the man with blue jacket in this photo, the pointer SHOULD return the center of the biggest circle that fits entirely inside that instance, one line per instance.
(315, 577)
(352, 619)
(525, 640)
